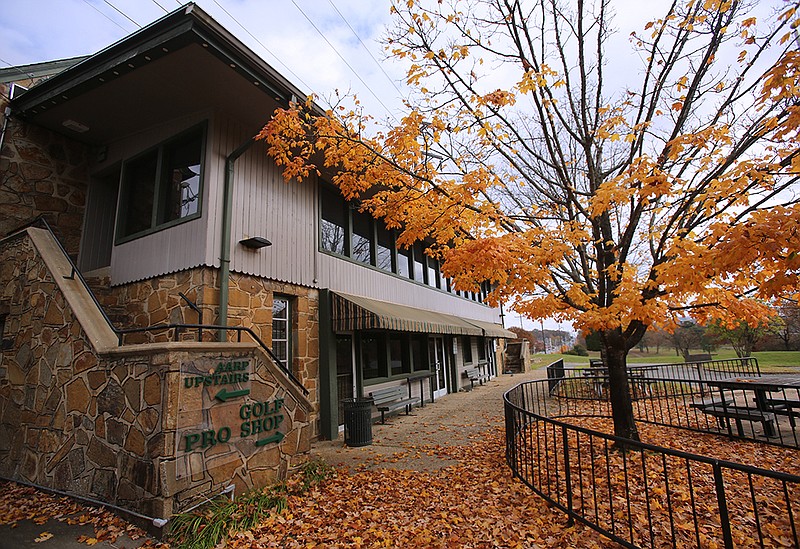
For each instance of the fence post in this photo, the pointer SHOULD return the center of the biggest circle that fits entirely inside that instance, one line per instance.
(567, 474)
(724, 520)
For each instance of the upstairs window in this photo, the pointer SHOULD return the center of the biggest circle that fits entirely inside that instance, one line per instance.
(333, 225)
(162, 187)
(384, 258)
(404, 262)
(362, 238)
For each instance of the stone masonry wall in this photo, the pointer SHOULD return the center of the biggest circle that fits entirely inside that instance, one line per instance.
(157, 301)
(109, 425)
(43, 173)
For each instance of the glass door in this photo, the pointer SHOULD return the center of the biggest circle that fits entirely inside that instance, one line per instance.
(438, 364)
(345, 372)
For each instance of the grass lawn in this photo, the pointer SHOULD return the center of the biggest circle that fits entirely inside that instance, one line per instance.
(768, 361)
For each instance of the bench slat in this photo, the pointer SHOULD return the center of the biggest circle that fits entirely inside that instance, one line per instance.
(391, 399)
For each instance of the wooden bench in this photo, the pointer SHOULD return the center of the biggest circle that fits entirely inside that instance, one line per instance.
(474, 374)
(702, 357)
(739, 413)
(391, 400)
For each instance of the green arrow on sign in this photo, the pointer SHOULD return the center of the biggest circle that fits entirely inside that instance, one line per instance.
(224, 394)
(277, 437)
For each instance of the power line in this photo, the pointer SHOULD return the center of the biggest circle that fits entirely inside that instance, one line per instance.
(103, 14)
(282, 64)
(346, 22)
(160, 6)
(378, 99)
(122, 13)
(16, 68)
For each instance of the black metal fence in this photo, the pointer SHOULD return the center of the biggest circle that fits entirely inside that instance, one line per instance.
(645, 496)
(704, 370)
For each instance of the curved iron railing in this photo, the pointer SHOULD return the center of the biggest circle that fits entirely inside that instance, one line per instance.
(42, 223)
(644, 495)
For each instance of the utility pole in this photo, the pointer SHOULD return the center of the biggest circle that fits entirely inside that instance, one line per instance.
(544, 341)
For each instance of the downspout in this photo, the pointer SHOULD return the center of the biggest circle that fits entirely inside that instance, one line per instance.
(225, 255)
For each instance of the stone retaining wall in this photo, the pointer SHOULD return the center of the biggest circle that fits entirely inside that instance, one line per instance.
(113, 423)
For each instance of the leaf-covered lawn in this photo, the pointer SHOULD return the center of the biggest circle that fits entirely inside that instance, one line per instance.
(475, 503)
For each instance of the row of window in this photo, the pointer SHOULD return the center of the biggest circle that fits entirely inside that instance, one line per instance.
(390, 354)
(350, 233)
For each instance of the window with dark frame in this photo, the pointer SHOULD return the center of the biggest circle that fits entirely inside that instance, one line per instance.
(466, 342)
(162, 186)
(333, 225)
(419, 262)
(398, 356)
(418, 356)
(282, 329)
(384, 247)
(481, 349)
(404, 262)
(434, 274)
(362, 238)
(371, 363)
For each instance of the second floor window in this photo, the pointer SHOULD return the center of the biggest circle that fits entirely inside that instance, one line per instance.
(162, 186)
(333, 225)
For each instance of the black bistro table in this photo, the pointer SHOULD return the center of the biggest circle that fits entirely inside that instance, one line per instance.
(762, 386)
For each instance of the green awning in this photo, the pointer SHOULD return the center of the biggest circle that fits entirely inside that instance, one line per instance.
(490, 329)
(352, 313)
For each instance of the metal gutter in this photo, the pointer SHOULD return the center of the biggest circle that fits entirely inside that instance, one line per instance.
(225, 253)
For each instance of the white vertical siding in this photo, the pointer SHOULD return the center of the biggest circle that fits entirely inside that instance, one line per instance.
(284, 213)
(177, 248)
(349, 277)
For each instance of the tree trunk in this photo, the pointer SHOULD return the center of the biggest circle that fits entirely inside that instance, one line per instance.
(616, 353)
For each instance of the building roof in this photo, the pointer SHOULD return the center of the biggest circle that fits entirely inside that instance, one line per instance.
(35, 71)
(180, 63)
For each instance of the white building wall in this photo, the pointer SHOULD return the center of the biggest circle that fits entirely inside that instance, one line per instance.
(286, 213)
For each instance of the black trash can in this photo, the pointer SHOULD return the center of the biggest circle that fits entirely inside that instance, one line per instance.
(357, 421)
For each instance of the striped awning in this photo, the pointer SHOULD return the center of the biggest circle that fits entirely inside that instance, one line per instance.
(491, 329)
(360, 313)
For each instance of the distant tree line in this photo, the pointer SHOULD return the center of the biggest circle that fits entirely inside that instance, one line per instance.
(779, 333)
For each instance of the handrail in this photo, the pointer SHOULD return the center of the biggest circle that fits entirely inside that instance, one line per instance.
(42, 223)
(239, 329)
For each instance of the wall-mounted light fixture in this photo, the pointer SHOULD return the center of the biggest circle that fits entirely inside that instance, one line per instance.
(255, 242)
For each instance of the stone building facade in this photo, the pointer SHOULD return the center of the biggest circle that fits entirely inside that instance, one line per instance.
(112, 422)
(43, 173)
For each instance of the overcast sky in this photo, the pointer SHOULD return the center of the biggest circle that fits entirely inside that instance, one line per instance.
(320, 45)
(288, 34)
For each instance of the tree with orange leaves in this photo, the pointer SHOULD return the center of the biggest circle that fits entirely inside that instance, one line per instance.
(618, 208)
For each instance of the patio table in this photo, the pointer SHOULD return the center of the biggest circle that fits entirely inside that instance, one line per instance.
(760, 386)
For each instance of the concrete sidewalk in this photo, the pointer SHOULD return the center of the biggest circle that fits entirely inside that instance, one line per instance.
(453, 420)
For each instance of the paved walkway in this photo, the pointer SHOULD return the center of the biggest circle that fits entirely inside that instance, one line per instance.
(453, 420)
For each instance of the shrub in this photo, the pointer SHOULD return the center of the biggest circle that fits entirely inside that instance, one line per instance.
(578, 350)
